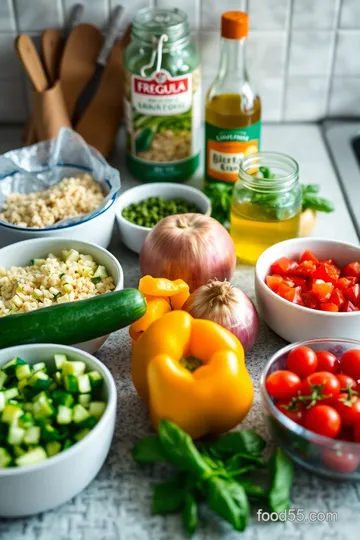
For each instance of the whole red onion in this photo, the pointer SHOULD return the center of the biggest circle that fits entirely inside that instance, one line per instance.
(192, 247)
(228, 306)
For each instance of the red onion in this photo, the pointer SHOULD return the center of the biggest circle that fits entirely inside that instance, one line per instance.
(228, 306)
(192, 247)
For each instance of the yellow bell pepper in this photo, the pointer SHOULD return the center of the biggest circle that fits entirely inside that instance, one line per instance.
(193, 372)
(162, 295)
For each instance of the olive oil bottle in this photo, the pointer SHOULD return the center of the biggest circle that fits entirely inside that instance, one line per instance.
(232, 109)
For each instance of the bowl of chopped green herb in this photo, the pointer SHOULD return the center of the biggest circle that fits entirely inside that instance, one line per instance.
(139, 209)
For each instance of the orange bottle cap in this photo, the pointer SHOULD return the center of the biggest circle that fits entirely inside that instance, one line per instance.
(234, 24)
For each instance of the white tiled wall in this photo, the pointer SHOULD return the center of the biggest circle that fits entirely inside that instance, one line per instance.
(304, 55)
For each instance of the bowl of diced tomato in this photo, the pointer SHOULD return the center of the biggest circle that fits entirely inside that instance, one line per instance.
(310, 288)
(311, 397)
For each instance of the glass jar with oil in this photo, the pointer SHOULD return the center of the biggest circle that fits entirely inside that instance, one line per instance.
(232, 115)
(266, 204)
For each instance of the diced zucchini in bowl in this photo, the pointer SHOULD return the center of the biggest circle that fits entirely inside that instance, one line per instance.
(46, 408)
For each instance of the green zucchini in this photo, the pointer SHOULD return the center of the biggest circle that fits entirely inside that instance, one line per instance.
(73, 322)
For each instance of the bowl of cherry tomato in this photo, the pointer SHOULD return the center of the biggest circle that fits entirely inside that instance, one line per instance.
(310, 288)
(311, 397)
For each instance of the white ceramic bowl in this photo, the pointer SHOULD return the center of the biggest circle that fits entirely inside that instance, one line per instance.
(298, 323)
(97, 229)
(29, 490)
(133, 235)
(21, 253)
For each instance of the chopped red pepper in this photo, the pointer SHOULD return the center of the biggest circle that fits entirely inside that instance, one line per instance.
(353, 294)
(306, 268)
(316, 284)
(346, 282)
(283, 266)
(322, 290)
(309, 256)
(329, 306)
(337, 297)
(348, 307)
(310, 301)
(294, 296)
(352, 269)
(273, 282)
(327, 272)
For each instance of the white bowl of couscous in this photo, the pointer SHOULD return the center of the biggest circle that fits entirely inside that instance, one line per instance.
(41, 272)
(39, 214)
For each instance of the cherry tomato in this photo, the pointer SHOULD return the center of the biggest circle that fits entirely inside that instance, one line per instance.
(327, 362)
(340, 461)
(283, 384)
(348, 407)
(321, 383)
(302, 361)
(346, 433)
(345, 381)
(357, 432)
(324, 420)
(350, 363)
(294, 411)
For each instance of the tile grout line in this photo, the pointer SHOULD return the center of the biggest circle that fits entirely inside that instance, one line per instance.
(335, 40)
(287, 59)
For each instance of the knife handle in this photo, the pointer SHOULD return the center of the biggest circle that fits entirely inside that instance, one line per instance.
(111, 35)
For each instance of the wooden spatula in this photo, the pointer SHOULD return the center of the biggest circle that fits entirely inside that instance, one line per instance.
(52, 45)
(78, 62)
(31, 61)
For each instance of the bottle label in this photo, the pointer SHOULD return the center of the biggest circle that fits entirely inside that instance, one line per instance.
(163, 117)
(225, 148)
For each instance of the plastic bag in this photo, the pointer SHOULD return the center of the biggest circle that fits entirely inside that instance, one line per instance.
(38, 167)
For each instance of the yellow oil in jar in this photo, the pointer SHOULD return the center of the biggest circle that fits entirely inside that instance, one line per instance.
(252, 235)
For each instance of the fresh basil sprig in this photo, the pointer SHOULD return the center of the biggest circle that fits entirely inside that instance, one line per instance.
(217, 473)
(312, 201)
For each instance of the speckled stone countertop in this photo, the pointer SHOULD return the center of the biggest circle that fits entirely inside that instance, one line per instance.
(116, 506)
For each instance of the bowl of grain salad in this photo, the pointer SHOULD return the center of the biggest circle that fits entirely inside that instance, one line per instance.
(43, 272)
(46, 213)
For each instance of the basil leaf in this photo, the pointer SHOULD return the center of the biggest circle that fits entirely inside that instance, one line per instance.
(310, 188)
(149, 450)
(245, 441)
(181, 450)
(229, 501)
(252, 489)
(319, 204)
(266, 173)
(220, 195)
(169, 496)
(189, 514)
(240, 459)
(282, 471)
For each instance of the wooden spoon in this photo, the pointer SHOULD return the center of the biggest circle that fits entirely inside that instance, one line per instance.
(52, 45)
(31, 61)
